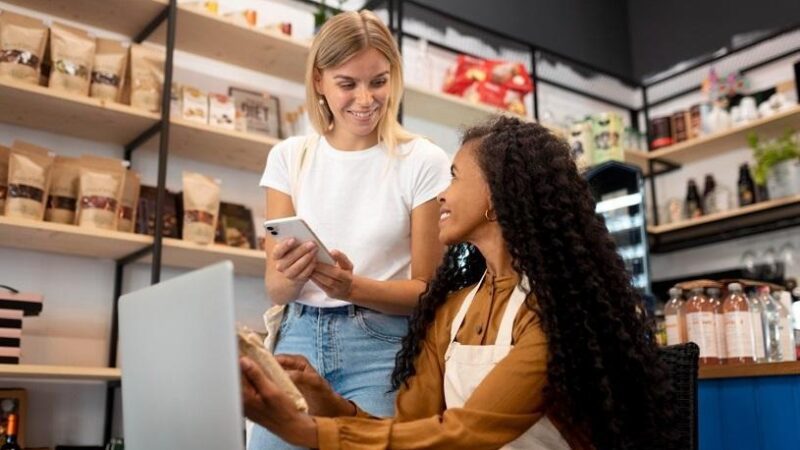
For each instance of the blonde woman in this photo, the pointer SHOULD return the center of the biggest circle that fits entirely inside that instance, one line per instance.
(367, 187)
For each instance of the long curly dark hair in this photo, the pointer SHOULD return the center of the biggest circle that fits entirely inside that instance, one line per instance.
(604, 373)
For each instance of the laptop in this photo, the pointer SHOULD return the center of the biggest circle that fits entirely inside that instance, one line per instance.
(180, 371)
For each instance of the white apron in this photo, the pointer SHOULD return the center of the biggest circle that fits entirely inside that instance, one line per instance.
(467, 365)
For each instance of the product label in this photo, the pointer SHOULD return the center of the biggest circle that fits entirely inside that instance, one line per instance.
(719, 321)
(758, 334)
(701, 329)
(673, 329)
(739, 335)
(788, 352)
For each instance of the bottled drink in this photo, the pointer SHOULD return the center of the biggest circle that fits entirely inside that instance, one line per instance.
(770, 317)
(701, 326)
(714, 295)
(694, 205)
(11, 434)
(710, 195)
(788, 348)
(746, 185)
(756, 309)
(675, 318)
(739, 340)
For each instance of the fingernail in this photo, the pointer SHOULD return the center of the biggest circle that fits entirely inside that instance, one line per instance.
(310, 245)
(245, 363)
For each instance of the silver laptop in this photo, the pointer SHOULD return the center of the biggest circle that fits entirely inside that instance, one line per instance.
(180, 376)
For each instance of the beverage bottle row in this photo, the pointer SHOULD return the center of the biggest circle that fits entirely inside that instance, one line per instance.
(736, 329)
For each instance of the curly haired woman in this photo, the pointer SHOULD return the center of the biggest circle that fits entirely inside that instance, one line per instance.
(535, 341)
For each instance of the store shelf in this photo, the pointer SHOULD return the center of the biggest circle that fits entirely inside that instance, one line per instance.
(246, 151)
(749, 370)
(446, 109)
(28, 371)
(706, 146)
(199, 32)
(103, 244)
(178, 253)
(45, 109)
(68, 239)
(758, 218)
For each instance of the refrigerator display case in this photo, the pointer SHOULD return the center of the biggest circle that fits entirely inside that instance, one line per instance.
(618, 191)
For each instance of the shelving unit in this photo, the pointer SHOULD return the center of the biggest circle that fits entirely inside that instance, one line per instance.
(59, 373)
(752, 219)
(750, 370)
(104, 244)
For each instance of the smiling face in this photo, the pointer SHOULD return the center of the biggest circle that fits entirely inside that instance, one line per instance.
(464, 203)
(357, 93)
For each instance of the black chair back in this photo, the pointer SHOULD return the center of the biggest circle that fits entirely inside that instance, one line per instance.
(682, 363)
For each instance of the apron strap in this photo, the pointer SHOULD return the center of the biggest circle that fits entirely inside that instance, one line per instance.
(462, 313)
(512, 308)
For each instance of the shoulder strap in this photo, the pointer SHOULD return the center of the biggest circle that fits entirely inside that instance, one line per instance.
(301, 158)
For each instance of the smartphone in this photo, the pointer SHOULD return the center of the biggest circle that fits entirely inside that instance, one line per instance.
(295, 227)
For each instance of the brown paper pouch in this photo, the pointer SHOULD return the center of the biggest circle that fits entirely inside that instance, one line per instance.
(108, 71)
(22, 43)
(62, 199)
(99, 192)
(129, 202)
(29, 168)
(200, 208)
(71, 55)
(147, 77)
(4, 155)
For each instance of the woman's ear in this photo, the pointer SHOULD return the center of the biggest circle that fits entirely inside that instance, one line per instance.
(318, 82)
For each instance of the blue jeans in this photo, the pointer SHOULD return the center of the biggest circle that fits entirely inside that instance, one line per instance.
(352, 347)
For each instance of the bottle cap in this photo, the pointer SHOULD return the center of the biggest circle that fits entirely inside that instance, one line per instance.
(675, 292)
(735, 287)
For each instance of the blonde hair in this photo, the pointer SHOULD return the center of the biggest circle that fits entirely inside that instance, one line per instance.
(341, 38)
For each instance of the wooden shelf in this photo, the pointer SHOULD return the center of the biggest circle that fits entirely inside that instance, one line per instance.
(69, 239)
(717, 143)
(762, 206)
(45, 109)
(246, 151)
(759, 218)
(198, 32)
(37, 372)
(179, 253)
(103, 244)
(447, 109)
(750, 370)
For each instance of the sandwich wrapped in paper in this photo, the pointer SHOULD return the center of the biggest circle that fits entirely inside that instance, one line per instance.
(252, 346)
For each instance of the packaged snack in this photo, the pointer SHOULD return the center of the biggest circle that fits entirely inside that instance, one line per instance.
(99, 192)
(29, 169)
(130, 199)
(194, 105)
(200, 207)
(71, 57)
(147, 78)
(62, 200)
(22, 44)
(221, 111)
(108, 72)
(146, 213)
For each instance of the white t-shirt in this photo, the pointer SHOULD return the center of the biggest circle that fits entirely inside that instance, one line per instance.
(360, 202)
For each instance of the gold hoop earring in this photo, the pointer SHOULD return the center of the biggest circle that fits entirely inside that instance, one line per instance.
(486, 215)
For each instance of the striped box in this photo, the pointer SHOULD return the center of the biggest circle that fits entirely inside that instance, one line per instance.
(10, 335)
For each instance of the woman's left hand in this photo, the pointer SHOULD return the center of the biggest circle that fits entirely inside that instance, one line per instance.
(266, 405)
(336, 281)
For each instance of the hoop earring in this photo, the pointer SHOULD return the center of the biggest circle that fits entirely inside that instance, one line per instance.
(489, 219)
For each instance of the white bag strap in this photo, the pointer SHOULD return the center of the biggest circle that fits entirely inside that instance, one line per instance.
(301, 159)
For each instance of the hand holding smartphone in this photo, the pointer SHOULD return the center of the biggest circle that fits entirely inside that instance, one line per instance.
(297, 228)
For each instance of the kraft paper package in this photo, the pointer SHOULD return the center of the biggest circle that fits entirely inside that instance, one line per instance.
(23, 41)
(147, 77)
(100, 190)
(29, 169)
(129, 202)
(71, 58)
(108, 71)
(200, 208)
(63, 198)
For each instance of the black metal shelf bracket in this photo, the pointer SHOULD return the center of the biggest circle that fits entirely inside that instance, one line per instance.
(152, 26)
(137, 142)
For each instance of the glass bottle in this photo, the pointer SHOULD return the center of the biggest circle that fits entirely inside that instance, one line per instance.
(739, 339)
(693, 207)
(770, 317)
(746, 185)
(714, 295)
(788, 348)
(11, 434)
(701, 326)
(675, 318)
(710, 204)
(756, 309)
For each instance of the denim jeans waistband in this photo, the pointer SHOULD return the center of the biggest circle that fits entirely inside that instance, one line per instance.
(299, 309)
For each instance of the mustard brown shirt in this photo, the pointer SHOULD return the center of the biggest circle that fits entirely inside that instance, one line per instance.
(506, 403)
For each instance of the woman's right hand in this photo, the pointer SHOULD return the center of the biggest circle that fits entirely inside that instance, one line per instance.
(294, 260)
(322, 400)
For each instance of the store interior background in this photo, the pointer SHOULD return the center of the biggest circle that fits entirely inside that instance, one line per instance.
(636, 39)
